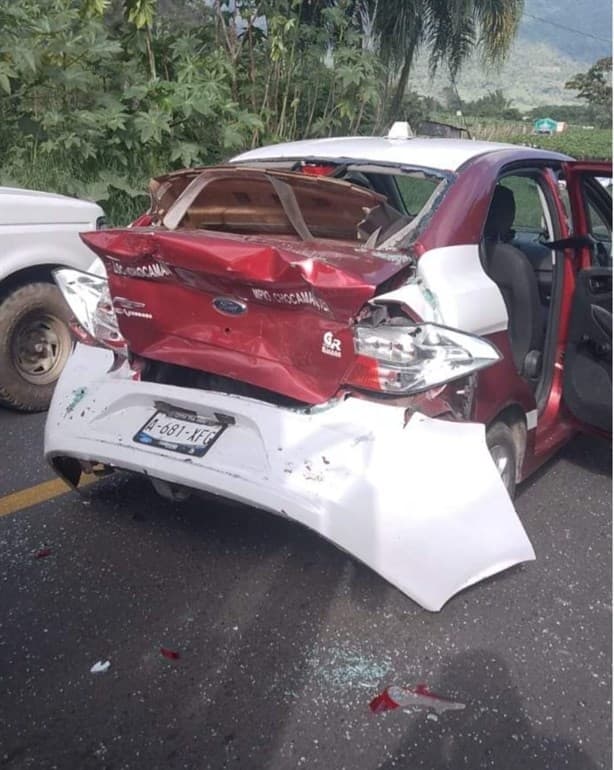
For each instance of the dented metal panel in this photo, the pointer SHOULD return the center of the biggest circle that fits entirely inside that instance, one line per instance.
(451, 287)
(296, 299)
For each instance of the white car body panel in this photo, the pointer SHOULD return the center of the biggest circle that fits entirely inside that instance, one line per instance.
(420, 503)
(451, 288)
(443, 154)
(38, 228)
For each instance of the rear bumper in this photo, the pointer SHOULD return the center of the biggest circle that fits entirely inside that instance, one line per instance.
(421, 504)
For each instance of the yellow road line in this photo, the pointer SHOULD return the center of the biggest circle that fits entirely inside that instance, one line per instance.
(40, 493)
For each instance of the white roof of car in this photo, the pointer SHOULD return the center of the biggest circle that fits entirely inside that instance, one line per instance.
(445, 154)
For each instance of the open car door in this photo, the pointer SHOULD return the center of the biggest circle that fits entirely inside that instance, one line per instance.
(587, 381)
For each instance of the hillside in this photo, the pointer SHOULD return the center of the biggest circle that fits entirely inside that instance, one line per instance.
(533, 74)
(589, 37)
(542, 59)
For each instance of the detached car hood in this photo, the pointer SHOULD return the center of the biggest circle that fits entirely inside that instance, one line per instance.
(26, 207)
(272, 312)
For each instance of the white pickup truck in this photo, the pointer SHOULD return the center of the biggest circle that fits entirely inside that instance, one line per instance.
(38, 232)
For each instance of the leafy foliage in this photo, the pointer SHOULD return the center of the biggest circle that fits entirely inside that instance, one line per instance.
(83, 102)
(97, 96)
(594, 86)
(580, 114)
(492, 105)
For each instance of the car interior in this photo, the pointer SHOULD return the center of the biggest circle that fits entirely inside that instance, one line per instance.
(519, 262)
(519, 254)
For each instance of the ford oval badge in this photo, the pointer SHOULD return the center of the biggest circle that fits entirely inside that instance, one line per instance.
(229, 306)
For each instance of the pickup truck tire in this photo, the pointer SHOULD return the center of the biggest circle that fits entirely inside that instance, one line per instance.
(35, 343)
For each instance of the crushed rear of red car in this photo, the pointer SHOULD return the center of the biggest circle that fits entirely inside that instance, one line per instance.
(239, 342)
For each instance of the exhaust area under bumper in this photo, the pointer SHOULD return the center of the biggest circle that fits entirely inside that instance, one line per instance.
(420, 503)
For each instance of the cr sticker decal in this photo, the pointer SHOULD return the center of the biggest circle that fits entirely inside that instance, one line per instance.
(331, 345)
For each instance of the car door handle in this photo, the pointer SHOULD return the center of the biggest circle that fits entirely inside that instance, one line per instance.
(600, 284)
(602, 319)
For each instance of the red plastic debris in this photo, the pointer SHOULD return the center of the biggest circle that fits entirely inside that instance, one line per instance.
(170, 654)
(43, 553)
(382, 702)
(417, 697)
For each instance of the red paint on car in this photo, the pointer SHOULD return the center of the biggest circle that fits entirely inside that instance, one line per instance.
(295, 302)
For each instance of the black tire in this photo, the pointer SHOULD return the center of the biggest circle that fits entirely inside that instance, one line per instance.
(35, 343)
(502, 447)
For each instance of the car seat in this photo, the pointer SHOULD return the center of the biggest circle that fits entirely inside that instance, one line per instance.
(513, 273)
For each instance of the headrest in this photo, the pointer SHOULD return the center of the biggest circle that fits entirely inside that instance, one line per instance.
(501, 214)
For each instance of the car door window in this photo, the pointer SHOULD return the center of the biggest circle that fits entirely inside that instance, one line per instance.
(533, 227)
(530, 219)
(597, 200)
(598, 210)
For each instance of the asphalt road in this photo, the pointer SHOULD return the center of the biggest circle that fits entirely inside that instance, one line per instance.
(284, 640)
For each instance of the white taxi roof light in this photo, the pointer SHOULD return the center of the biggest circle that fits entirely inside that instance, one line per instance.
(400, 130)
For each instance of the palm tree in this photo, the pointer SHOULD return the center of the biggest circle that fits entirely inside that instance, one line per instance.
(449, 29)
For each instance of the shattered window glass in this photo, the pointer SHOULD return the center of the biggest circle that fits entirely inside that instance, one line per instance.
(415, 191)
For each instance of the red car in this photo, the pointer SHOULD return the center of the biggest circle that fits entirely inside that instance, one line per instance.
(348, 332)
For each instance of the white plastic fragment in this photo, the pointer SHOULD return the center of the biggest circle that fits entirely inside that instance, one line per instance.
(410, 699)
(100, 667)
(421, 698)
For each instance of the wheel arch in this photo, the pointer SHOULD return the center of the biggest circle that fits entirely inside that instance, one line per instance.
(42, 273)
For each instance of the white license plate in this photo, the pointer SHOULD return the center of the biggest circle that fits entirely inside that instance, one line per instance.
(180, 432)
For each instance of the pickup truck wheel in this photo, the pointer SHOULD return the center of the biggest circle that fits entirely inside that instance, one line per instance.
(502, 447)
(35, 343)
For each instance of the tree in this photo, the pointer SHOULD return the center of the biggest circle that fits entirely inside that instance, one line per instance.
(594, 86)
(98, 95)
(492, 105)
(449, 29)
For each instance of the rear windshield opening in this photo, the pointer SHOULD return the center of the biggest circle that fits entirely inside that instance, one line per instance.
(348, 203)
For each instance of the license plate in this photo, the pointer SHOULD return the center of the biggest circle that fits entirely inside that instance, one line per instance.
(180, 432)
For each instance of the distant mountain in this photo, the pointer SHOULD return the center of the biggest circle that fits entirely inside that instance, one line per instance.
(541, 60)
(533, 74)
(589, 23)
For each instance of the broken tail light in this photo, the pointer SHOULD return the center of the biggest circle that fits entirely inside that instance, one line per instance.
(89, 299)
(317, 169)
(407, 359)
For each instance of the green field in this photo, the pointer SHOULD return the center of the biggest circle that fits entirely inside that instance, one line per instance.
(578, 142)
